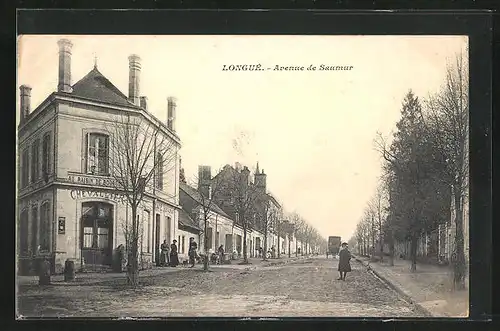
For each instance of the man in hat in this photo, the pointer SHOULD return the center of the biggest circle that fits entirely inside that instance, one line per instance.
(344, 261)
(193, 246)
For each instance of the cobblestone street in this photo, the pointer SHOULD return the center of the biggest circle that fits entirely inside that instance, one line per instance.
(301, 288)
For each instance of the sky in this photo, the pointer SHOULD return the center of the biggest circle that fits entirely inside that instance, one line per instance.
(311, 131)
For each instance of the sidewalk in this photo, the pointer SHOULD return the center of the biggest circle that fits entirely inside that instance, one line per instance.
(97, 277)
(429, 288)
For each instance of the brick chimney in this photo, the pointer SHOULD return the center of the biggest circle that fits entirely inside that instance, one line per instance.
(64, 84)
(172, 105)
(205, 180)
(134, 65)
(25, 101)
(144, 102)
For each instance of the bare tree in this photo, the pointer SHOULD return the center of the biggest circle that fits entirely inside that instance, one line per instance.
(448, 113)
(141, 152)
(207, 204)
(377, 209)
(295, 223)
(245, 196)
(268, 217)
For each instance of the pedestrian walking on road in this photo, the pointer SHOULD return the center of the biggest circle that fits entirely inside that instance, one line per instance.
(174, 258)
(344, 261)
(193, 246)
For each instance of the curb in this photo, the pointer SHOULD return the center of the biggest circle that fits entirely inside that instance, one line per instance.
(397, 289)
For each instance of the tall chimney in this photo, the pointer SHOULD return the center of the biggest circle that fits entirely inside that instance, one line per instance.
(144, 102)
(134, 65)
(172, 105)
(204, 180)
(64, 84)
(25, 101)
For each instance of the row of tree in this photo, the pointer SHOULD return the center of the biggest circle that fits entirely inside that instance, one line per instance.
(425, 173)
(255, 209)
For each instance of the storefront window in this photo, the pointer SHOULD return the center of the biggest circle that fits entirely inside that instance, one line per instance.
(96, 225)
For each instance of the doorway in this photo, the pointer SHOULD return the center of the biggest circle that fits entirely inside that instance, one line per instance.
(157, 240)
(97, 233)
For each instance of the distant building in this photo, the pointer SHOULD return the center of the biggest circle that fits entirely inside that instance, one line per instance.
(69, 207)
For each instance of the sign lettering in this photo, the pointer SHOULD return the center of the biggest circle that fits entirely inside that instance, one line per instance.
(91, 180)
(79, 194)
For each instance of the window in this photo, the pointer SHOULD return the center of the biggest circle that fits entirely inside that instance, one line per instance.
(45, 227)
(96, 218)
(217, 239)
(97, 154)
(46, 155)
(23, 232)
(35, 152)
(209, 237)
(34, 230)
(148, 228)
(183, 239)
(159, 171)
(25, 166)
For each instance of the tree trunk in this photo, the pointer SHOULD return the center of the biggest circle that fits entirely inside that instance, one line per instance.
(264, 252)
(205, 243)
(133, 256)
(289, 248)
(391, 251)
(459, 265)
(296, 246)
(245, 256)
(278, 244)
(413, 252)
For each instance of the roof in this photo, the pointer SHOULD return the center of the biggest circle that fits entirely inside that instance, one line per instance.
(97, 87)
(195, 195)
(273, 199)
(187, 221)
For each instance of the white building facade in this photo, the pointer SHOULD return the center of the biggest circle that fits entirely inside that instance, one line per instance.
(68, 201)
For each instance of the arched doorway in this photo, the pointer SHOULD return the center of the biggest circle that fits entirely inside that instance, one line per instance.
(97, 233)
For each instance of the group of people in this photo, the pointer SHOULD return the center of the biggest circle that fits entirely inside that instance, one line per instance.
(170, 256)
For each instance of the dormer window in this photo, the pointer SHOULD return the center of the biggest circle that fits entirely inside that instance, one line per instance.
(97, 154)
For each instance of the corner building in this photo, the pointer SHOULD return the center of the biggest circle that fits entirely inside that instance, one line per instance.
(68, 205)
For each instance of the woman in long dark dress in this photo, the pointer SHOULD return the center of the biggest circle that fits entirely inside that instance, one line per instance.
(174, 259)
(344, 261)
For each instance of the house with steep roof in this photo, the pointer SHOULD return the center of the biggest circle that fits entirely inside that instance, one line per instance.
(221, 228)
(69, 204)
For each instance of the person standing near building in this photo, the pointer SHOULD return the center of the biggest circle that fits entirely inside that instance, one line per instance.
(174, 258)
(344, 261)
(220, 251)
(165, 254)
(193, 246)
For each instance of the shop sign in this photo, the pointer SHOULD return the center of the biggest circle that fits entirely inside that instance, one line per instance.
(82, 193)
(91, 180)
(61, 225)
